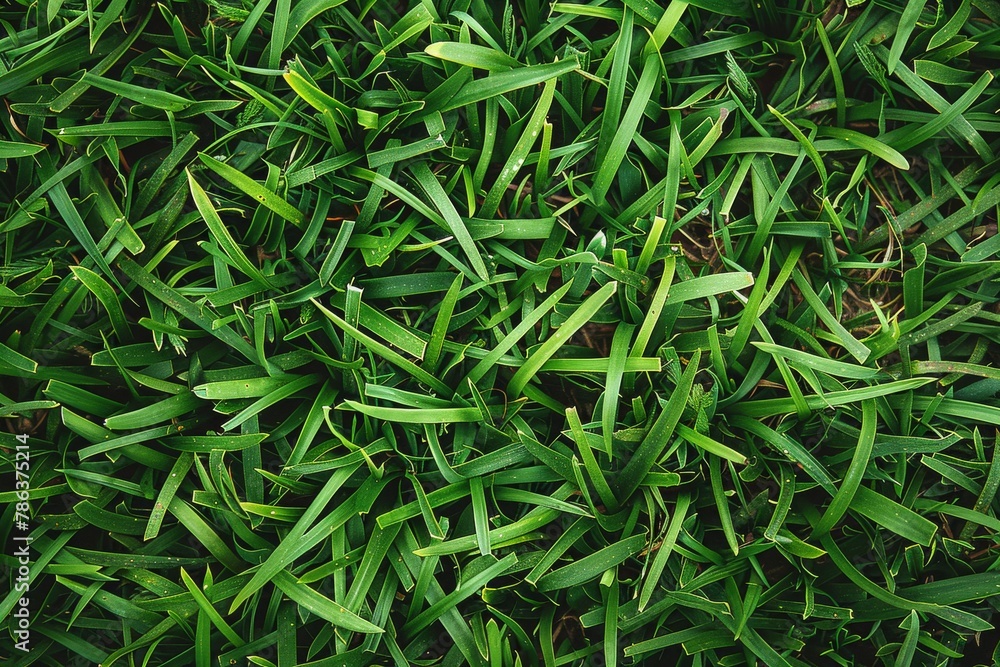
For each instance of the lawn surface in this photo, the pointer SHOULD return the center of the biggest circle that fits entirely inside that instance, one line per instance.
(462, 332)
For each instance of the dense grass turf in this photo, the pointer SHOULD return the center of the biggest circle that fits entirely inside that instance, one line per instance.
(461, 332)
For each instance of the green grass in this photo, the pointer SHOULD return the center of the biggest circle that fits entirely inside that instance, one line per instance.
(353, 332)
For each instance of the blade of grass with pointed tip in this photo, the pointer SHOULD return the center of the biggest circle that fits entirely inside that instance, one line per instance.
(721, 502)
(432, 353)
(580, 316)
(322, 606)
(858, 350)
(709, 445)
(386, 352)
(15, 359)
(950, 614)
(210, 611)
(520, 151)
(106, 295)
(177, 474)
(593, 565)
(299, 17)
(71, 216)
(617, 359)
(896, 517)
(421, 416)
(472, 55)
(254, 189)
(157, 99)
(656, 440)
(617, 82)
(590, 464)
(284, 553)
(855, 472)
(500, 83)
(428, 181)
(625, 132)
(907, 22)
(220, 234)
(828, 366)
(775, 406)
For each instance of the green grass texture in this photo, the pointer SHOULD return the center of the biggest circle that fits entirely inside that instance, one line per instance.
(499, 333)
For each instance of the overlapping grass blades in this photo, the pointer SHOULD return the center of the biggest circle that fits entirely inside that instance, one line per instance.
(352, 333)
